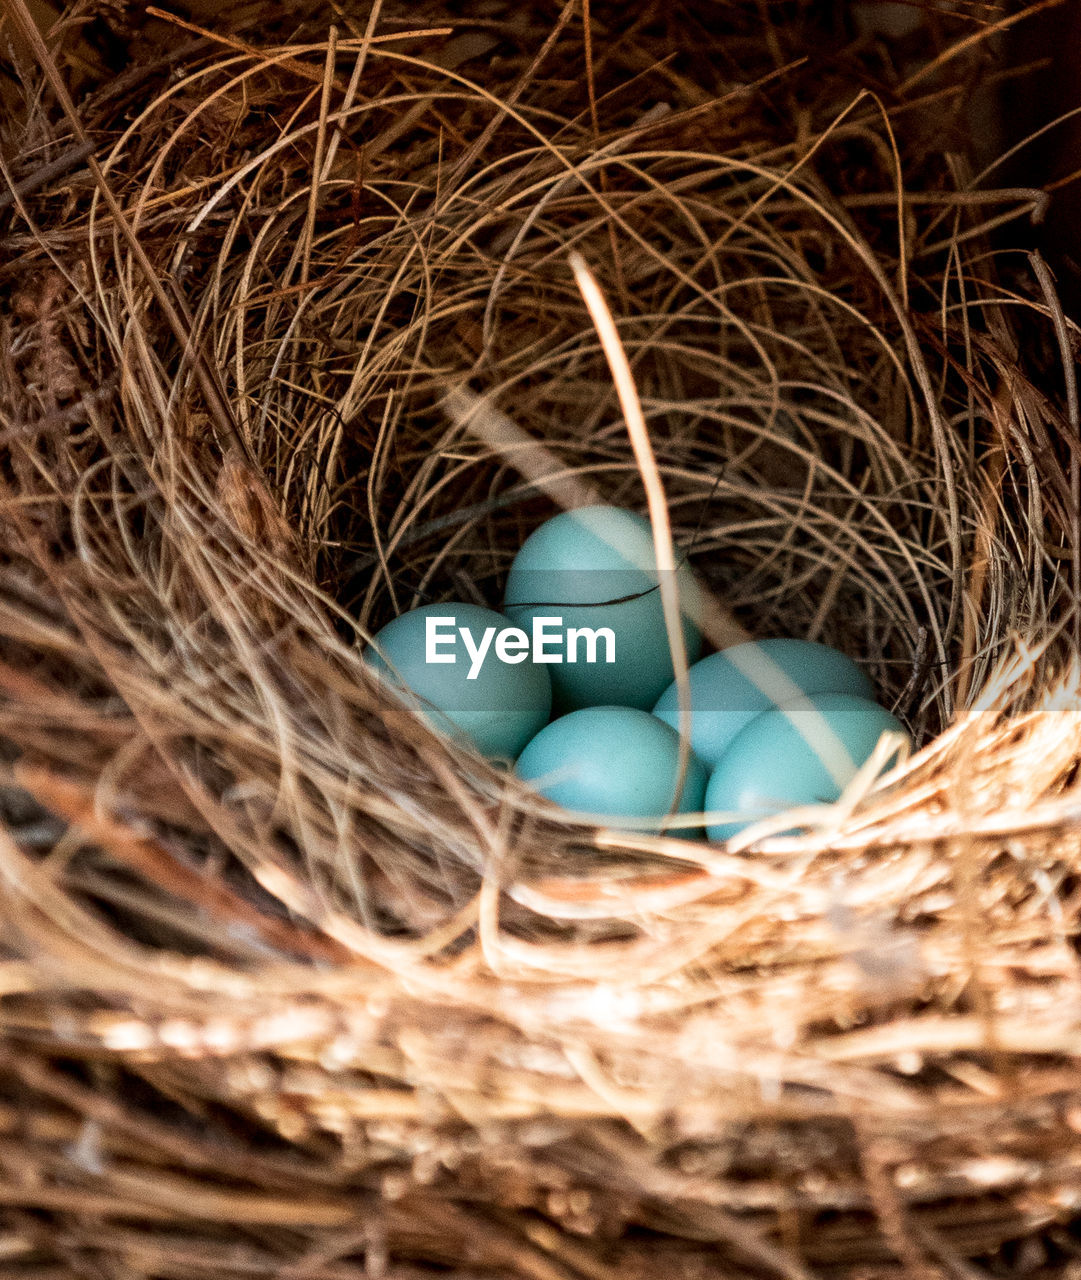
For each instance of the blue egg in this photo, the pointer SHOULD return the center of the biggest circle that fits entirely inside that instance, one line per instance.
(594, 570)
(614, 763)
(774, 764)
(725, 695)
(479, 685)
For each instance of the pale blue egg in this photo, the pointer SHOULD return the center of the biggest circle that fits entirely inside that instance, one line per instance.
(774, 764)
(615, 763)
(725, 692)
(488, 691)
(594, 570)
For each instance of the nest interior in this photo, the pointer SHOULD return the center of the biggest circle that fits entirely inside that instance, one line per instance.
(289, 342)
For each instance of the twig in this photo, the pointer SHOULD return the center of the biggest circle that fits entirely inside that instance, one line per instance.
(635, 422)
(64, 163)
(531, 458)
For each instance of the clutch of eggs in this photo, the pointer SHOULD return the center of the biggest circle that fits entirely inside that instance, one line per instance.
(774, 723)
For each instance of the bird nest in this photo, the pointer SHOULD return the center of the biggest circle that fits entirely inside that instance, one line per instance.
(291, 985)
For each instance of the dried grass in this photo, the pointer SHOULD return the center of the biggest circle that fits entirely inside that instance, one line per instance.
(292, 987)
